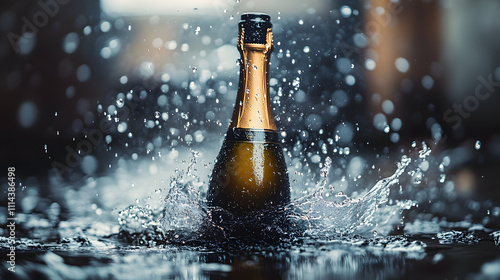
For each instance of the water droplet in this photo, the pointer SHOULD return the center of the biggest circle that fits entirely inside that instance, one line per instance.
(442, 178)
(477, 146)
(417, 178)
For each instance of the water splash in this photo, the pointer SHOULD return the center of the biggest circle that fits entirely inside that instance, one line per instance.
(330, 218)
(184, 216)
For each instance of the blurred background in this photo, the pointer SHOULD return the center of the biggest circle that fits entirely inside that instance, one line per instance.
(85, 84)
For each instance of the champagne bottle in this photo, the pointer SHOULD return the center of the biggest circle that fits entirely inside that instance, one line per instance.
(250, 171)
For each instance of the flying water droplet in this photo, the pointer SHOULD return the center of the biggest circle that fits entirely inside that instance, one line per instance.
(477, 146)
(442, 178)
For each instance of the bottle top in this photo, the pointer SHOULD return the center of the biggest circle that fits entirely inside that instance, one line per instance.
(255, 26)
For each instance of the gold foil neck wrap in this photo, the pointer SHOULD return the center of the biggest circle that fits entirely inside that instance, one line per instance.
(253, 103)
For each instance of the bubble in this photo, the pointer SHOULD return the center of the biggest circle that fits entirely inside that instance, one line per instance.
(87, 30)
(388, 107)
(340, 98)
(106, 52)
(379, 121)
(184, 47)
(206, 40)
(122, 127)
(436, 131)
(83, 73)
(360, 40)
(345, 133)
(147, 69)
(111, 109)
(306, 49)
(345, 11)
(27, 114)
(396, 124)
(300, 96)
(370, 64)
(26, 43)
(123, 80)
(150, 124)
(157, 43)
(315, 159)
(105, 26)
(89, 164)
(70, 92)
(173, 154)
(427, 82)
(198, 136)
(356, 166)
(394, 137)
(273, 82)
(227, 55)
(497, 73)
(210, 115)
(314, 122)
(343, 65)
(402, 65)
(71, 42)
(350, 80)
(171, 45)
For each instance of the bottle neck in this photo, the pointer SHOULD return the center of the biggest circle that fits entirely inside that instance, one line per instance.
(253, 103)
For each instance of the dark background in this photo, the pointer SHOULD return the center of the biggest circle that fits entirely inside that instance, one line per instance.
(450, 44)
